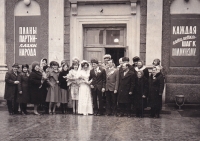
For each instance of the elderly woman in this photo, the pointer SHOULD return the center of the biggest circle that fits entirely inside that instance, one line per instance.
(156, 86)
(37, 86)
(141, 90)
(156, 62)
(140, 67)
(23, 96)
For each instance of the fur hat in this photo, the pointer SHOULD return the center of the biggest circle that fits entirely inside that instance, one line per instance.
(107, 56)
(35, 63)
(15, 65)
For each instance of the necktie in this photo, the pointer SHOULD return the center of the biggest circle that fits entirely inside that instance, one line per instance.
(95, 71)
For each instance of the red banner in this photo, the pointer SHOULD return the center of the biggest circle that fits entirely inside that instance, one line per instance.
(185, 41)
(27, 39)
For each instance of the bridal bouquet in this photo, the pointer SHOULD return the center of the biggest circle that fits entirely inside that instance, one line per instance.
(82, 79)
(71, 78)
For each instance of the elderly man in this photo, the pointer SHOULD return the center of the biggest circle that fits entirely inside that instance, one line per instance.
(126, 85)
(112, 82)
(11, 89)
(126, 60)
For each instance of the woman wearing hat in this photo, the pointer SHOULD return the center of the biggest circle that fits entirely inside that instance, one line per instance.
(11, 89)
(23, 96)
(54, 91)
(156, 87)
(37, 86)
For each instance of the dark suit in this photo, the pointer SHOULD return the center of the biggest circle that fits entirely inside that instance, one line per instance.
(11, 91)
(99, 82)
(112, 83)
(126, 85)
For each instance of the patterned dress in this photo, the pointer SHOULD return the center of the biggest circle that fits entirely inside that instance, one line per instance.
(72, 82)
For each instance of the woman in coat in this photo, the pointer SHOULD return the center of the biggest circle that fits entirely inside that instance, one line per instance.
(156, 86)
(140, 93)
(140, 67)
(23, 96)
(36, 86)
(11, 91)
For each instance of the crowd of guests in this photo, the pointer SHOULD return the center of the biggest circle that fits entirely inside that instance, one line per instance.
(89, 84)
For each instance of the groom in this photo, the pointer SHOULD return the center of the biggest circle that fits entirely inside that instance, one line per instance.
(98, 77)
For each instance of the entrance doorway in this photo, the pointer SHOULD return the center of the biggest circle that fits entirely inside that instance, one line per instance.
(116, 54)
(99, 41)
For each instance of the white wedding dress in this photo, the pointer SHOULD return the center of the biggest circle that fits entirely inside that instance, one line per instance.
(85, 99)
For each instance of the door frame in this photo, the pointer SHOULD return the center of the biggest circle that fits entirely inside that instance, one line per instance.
(132, 23)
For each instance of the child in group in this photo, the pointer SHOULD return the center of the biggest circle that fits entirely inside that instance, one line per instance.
(54, 92)
(74, 87)
(63, 85)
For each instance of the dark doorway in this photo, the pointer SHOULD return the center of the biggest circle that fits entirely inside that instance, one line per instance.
(115, 53)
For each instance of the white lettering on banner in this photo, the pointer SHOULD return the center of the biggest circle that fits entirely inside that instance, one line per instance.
(27, 52)
(28, 45)
(27, 30)
(27, 38)
(27, 35)
(184, 29)
(184, 52)
(188, 37)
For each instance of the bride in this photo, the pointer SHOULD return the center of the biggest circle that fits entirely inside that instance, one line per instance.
(85, 99)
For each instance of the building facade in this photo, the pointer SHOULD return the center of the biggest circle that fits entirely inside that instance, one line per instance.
(63, 29)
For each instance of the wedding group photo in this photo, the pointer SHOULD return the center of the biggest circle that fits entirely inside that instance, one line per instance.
(100, 70)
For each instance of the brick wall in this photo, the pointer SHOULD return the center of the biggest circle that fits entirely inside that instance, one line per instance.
(67, 31)
(10, 5)
(143, 26)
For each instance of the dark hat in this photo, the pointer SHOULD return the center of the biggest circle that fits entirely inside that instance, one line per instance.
(136, 59)
(15, 65)
(35, 64)
(94, 61)
(54, 63)
(125, 59)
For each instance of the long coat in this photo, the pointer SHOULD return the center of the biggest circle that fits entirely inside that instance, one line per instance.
(141, 88)
(99, 80)
(10, 88)
(112, 79)
(37, 93)
(126, 85)
(156, 86)
(24, 87)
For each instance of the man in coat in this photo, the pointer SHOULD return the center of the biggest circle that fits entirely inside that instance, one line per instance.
(126, 85)
(126, 60)
(112, 82)
(11, 89)
(98, 77)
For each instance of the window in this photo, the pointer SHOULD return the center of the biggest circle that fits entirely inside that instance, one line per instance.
(104, 37)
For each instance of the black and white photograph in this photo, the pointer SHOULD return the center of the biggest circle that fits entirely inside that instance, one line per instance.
(100, 70)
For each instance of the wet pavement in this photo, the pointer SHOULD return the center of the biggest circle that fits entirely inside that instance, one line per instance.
(85, 128)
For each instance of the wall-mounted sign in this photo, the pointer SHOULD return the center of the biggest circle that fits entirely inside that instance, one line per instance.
(27, 39)
(185, 41)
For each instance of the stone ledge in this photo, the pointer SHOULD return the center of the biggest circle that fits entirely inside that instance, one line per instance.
(183, 79)
(190, 91)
